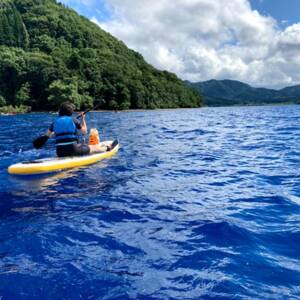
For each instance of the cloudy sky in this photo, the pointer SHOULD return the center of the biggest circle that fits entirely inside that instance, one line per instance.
(255, 41)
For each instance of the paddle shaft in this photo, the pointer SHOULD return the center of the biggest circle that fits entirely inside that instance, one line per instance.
(88, 110)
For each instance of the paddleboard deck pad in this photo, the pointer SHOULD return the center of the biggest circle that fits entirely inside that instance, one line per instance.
(50, 165)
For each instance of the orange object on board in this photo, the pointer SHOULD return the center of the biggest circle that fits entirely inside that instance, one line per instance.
(94, 138)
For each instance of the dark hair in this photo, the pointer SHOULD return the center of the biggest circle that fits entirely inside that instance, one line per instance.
(66, 109)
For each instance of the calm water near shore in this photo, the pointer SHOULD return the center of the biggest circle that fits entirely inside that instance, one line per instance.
(198, 203)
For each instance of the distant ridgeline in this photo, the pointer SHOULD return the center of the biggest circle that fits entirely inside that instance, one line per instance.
(230, 92)
(49, 54)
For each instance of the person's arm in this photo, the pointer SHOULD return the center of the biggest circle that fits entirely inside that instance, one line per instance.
(81, 126)
(50, 131)
(84, 128)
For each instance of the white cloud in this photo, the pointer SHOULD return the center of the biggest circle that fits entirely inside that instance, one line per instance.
(204, 39)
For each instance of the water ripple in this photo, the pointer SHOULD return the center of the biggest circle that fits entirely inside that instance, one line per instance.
(198, 204)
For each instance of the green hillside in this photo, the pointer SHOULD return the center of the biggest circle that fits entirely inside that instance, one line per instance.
(231, 92)
(49, 54)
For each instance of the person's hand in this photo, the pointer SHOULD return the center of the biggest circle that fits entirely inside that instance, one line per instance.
(81, 115)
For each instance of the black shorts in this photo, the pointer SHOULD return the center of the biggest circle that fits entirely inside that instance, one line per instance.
(72, 150)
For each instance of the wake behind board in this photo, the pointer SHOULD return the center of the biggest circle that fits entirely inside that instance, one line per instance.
(49, 165)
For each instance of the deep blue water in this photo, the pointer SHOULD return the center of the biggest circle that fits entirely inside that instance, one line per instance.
(201, 203)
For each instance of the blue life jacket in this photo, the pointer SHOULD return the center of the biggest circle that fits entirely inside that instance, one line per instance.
(65, 130)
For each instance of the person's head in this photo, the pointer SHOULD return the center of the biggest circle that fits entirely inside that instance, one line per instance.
(66, 109)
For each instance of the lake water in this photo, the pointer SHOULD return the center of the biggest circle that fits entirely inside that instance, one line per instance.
(201, 203)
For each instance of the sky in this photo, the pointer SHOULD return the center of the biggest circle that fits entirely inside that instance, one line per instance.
(254, 41)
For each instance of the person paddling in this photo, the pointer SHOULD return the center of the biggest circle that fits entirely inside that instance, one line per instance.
(66, 129)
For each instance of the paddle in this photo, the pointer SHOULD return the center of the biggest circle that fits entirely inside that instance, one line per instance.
(39, 142)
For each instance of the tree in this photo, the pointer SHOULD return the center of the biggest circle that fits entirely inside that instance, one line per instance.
(2, 101)
(23, 95)
(60, 91)
(12, 29)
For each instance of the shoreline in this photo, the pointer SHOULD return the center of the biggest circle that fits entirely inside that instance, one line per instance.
(146, 110)
(110, 111)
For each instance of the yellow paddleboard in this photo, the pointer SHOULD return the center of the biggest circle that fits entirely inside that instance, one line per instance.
(49, 165)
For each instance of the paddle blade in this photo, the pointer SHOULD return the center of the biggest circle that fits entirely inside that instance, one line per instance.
(40, 141)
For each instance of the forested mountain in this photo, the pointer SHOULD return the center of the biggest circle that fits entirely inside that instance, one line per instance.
(49, 54)
(230, 92)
